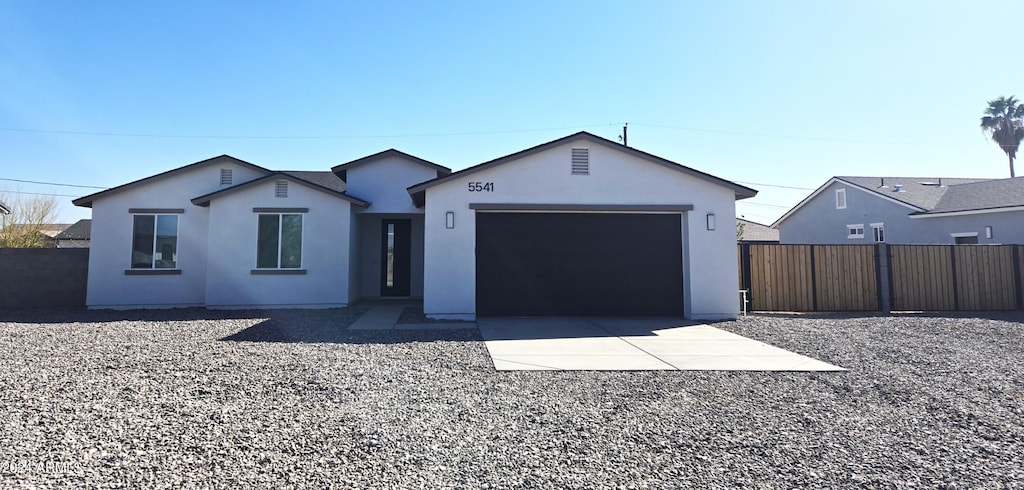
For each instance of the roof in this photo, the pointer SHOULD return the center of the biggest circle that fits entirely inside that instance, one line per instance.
(417, 191)
(51, 230)
(920, 192)
(78, 231)
(86, 201)
(317, 181)
(756, 232)
(984, 195)
(917, 194)
(342, 170)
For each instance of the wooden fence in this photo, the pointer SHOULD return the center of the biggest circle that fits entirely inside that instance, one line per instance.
(881, 277)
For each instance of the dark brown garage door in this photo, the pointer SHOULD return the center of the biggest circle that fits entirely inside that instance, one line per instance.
(555, 264)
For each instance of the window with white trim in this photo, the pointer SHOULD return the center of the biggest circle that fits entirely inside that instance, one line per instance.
(878, 232)
(840, 198)
(854, 231)
(279, 241)
(155, 241)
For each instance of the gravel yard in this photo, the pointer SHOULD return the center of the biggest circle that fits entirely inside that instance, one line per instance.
(291, 398)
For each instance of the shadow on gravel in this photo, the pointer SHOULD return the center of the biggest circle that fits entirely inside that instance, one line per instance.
(80, 315)
(287, 330)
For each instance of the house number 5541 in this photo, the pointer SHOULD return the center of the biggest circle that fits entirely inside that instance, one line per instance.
(481, 186)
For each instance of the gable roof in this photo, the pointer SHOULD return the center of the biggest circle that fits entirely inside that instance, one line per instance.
(418, 191)
(921, 195)
(318, 182)
(50, 230)
(86, 201)
(920, 192)
(342, 170)
(82, 230)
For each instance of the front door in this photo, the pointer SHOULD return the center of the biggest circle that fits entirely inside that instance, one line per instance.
(396, 257)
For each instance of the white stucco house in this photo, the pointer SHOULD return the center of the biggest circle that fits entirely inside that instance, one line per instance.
(576, 226)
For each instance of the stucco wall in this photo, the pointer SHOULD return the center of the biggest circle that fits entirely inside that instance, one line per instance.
(383, 183)
(615, 178)
(230, 282)
(111, 241)
(819, 222)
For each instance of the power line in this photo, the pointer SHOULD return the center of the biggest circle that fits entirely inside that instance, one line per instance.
(773, 185)
(795, 137)
(296, 137)
(779, 206)
(38, 194)
(54, 183)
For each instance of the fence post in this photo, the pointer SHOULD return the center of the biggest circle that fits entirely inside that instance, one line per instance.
(1017, 283)
(891, 277)
(883, 277)
(956, 292)
(745, 266)
(814, 283)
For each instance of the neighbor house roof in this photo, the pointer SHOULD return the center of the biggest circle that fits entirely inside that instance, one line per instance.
(81, 230)
(418, 191)
(314, 180)
(342, 170)
(984, 196)
(917, 194)
(51, 230)
(756, 232)
(86, 201)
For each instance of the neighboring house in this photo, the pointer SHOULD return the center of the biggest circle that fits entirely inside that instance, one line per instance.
(749, 231)
(577, 226)
(47, 232)
(75, 236)
(908, 210)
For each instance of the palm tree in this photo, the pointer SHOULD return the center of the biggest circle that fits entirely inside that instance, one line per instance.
(1004, 123)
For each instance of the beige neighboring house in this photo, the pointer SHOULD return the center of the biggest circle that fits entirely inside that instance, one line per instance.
(76, 235)
(49, 231)
(755, 232)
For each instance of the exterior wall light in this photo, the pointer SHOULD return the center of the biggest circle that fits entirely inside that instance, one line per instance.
(449, 220)
(711, 221)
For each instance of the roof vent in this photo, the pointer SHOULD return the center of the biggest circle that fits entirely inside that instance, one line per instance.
(225, 176)
(898, 188)
(281, 189)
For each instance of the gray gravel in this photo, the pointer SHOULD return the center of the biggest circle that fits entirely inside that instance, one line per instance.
(168, 399)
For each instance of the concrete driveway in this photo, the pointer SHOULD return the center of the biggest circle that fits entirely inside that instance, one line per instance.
(630, 344)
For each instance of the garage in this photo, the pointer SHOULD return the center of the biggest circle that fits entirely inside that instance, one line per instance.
(578, 264)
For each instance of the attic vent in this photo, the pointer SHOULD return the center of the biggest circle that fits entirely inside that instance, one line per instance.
(281, 189)
(581, 161)
(898, 188)
(225, 176)
(840, 198)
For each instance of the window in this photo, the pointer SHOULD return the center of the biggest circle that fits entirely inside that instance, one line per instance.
(840, 198)
(965, 238)
(281, 189)
(581, 161)
(279, 241)
(225, 176)
(878, 231)
(855, 231)
(155, 241)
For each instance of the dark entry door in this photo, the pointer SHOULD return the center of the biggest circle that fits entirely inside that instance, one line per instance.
(396, 257)
(554, 264)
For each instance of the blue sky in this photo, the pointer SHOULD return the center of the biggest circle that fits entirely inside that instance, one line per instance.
(785, 93)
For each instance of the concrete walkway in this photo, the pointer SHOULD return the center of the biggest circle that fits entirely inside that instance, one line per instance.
(384, 315)
(630, 344)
